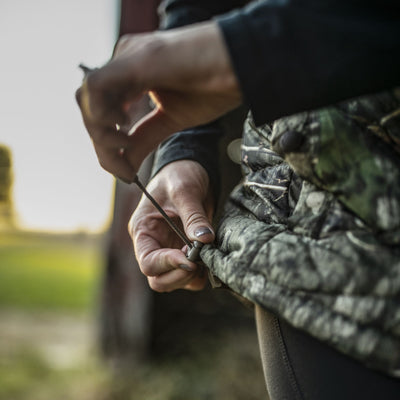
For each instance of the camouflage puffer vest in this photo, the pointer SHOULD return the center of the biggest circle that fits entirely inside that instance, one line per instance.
(312, 233)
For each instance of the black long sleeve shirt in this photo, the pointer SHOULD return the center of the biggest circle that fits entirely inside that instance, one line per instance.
(290, 56)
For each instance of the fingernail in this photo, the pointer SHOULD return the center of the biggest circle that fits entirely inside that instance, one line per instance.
(186, 267)
(202, 231)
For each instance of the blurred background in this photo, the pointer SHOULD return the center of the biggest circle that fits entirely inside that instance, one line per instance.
(77, 319)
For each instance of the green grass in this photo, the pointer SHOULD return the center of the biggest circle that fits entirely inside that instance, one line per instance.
(24, 375)
(217, 370)
(48, 272)
(50, 277)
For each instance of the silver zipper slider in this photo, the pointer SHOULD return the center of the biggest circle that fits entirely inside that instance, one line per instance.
(193, 252)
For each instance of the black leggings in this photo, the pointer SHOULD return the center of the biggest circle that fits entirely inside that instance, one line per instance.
(298, 367)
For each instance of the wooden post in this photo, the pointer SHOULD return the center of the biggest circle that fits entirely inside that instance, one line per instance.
(126, 300)
(135, 320)
(7, 216)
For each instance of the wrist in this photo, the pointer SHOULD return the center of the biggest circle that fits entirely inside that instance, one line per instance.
(201, 59)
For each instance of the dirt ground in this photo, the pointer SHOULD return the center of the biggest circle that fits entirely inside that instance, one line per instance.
(46, 355)
(62, 340)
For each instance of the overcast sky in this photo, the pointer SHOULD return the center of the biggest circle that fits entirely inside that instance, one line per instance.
(58, 183)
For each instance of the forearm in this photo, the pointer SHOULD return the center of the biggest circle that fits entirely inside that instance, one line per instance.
(200, 143)
(194, 58)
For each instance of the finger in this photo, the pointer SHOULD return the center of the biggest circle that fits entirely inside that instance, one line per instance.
(198, 282)
(113, 161)
(109, 137)
(122, 44)
(195, 219)
(148, 133)
(78, 96)
(100, 101)
(98, 129)
(109, 146)
(194, 203)
(155, 260)
(172, 280)
(157, 248)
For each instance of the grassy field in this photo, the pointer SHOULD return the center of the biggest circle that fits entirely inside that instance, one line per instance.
(48, 350)
(48, 271)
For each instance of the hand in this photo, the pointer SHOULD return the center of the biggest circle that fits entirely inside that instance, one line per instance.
(182, 189)
(188, 75)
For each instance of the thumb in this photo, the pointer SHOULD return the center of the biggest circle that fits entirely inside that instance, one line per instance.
(195, 218)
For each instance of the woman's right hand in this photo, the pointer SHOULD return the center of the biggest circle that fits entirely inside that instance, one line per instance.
(188, 75)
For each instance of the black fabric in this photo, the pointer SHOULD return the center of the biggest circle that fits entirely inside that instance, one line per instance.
(175, 13)
(298, 367)
(293, 55)
(200, 144)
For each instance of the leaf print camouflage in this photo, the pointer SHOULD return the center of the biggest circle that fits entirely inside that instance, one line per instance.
(312, 232)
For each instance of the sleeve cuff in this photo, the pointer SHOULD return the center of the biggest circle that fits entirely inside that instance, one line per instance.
(199, 144)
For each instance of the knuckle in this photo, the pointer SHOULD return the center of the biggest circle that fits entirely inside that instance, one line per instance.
(122, 43)
(156, 285)
(78, 96)
(107, 165)
(103, 163)
(147, 270)
(146, 264)
(195, 218)
(98, 137)
(93, 81)
(177, 191)
(131, 228)
(137, 224)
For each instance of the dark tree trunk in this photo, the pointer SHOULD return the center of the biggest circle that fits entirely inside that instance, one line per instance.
(125, 297)
(135, 320)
